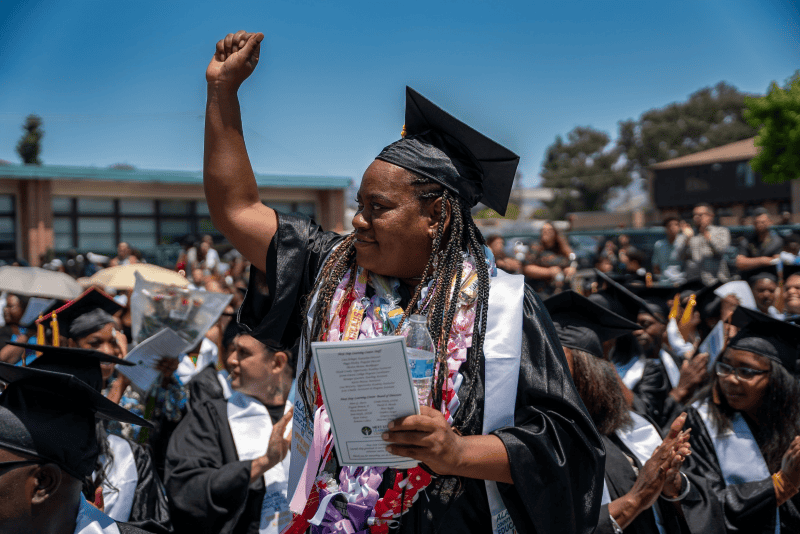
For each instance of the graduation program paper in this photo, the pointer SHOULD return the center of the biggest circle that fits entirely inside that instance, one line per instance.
(365, 384)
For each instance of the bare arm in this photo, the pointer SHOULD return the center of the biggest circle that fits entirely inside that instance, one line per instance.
(228, 177)
(743, 263)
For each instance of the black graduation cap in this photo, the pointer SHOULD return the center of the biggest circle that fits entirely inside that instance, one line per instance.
(85, 314)
(617, 298)
(82, 363)
(584, 325)
(767, 272)
(657, 300)
(763, 334)
(440, 147)
(51, 415)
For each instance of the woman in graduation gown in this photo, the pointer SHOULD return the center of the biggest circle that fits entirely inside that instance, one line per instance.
(533, 458)
(642, 471)
(124, 482)
(745, 428)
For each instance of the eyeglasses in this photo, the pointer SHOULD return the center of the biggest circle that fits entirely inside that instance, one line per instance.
(741, 373)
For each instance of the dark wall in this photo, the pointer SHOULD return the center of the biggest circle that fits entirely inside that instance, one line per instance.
(719, 183)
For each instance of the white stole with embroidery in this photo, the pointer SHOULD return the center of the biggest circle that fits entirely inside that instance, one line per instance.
(90, 520)
(251, 427)
(738, 454)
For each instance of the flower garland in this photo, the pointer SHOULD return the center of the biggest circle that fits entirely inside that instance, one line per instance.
(352, 316)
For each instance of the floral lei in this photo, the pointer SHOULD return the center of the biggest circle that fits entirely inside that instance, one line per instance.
(352, 316)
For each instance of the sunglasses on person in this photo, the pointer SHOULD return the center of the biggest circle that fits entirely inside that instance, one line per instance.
(741, 373)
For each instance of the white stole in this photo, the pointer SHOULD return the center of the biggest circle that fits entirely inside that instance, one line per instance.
(122, 475)
(207, 355)
(641, 438)
(502, 350)
(251, 427)
(225, 382)
(90, 520)
(632, 373)
(739, 457)
(673, 372)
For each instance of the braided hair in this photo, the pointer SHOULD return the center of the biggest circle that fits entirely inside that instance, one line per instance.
(444, 265)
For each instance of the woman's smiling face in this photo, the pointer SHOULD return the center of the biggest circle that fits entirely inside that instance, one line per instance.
(394, 229)
(744, 395)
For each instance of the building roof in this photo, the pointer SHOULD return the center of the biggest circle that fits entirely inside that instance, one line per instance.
(65, 172)
(738, 151)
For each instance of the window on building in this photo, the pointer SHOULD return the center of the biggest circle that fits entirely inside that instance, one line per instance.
(8, 228)
(745, 177)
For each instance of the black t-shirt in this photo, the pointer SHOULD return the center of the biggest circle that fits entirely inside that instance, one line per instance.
(751, 247)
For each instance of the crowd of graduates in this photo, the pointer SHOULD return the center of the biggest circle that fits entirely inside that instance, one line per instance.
(629, 403)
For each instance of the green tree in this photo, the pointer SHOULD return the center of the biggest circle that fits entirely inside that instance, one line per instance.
(778, 116)
(30, 144)
(583, 170)
(711, 117)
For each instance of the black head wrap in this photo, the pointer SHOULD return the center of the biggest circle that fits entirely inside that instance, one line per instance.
(440, 147)
(584, 325)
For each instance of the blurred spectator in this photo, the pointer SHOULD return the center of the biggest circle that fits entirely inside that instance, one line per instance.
(762, 246)
(497, 245)
(665, 254)
(548, 265)
(704, 249)
(207, 256)
(786, 218)
(12, 331)
(188, 255)
(764, 286)
(608, 251)
(791, 302)
(123, 255)
(198, 279)
(75, 264)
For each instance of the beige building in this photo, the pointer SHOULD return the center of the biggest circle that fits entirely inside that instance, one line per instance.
(50, 208)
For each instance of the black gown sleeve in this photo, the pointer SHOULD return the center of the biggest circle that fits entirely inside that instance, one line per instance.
(653, 390)
(555, 452)
(274, 299)
(206, 483)
(738, 508)
(150, 510)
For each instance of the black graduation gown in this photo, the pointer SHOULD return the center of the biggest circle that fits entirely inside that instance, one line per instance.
(620, 477)
(208, 486)
(150, 510)
(204, 386)
(652, 398)
(555, 453)
(741, 508)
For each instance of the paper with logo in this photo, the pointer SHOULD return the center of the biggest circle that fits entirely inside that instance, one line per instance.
(166, 344)
(364, 385)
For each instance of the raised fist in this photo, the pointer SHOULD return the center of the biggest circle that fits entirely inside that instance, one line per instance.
(235, 58)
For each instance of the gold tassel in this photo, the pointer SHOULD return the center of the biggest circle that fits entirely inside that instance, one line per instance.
(54, 327)
(403, 132)
(40, 332)
(648, 280)
(687, 313)
(676, 306)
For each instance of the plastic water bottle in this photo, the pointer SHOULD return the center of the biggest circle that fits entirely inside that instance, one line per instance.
(421, 357)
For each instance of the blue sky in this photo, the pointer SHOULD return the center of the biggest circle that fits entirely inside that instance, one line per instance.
(124, 81)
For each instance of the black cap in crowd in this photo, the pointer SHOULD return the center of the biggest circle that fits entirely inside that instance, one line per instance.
(764, 335)
(584, 325)
(87, 314)
(50, 415)
(617, 298)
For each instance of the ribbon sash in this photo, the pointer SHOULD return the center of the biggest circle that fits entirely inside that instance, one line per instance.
(673, 372)
(632, 373)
